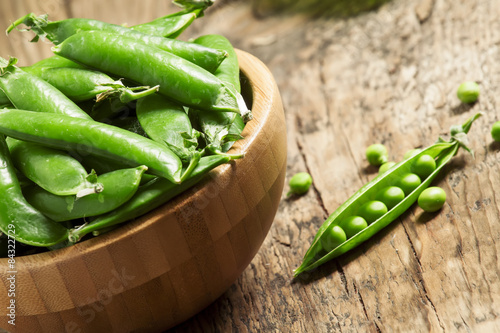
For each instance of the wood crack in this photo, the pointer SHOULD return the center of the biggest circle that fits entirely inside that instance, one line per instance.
(342, 277)
(279, 241)
(317, 194)
(323, 91)
(467, 328)
(421, 278)
(352, 156)
(362, 302)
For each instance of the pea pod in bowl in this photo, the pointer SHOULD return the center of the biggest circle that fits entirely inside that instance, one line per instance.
(442, 152)
(180, 80)
(88, 137)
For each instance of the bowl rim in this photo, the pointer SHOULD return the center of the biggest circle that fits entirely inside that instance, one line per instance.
(262, 98)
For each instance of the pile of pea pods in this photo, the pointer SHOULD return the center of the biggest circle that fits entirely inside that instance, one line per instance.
(117, 122)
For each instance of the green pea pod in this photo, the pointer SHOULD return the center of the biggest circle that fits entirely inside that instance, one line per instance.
(42, 96)
(179, 79)
(442, 151)
(18, 219)
(148, 197)
(59, 31)
(234, 133)
(118, 187)
(52, 62)
(90, 137)
(193, 4)
(81, 84)
(229, 69)
(56, 61)
(167, 122)
(101, 165)
(54, 170)
(4, 100)
(222, 128)
(170, 26)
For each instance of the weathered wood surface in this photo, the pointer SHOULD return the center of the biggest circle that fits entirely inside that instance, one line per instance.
(388, 75)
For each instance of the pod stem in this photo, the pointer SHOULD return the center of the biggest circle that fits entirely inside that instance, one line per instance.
(192, 164)
(245, 113)
(37, 24)
(194, 4)
(126, 94)
(94, 188)
(74, 234)
(216, 151)
(7, 65)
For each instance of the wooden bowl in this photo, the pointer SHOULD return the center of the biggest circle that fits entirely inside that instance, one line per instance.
(165, 267)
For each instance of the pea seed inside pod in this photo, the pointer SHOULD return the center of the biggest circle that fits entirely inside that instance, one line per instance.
(411, 153)
(333, 237)
(409, 182)
(385, 167)
(391, 196)
(352, 225)
(424, 166)
(372, 210)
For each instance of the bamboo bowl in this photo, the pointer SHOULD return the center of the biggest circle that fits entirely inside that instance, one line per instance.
(165, 267)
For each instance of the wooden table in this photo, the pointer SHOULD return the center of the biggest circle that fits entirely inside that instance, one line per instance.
(349, 79)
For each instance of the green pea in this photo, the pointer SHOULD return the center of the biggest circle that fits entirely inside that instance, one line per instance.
(424, 166)
(411, 153)
(495, 131)
(372, 210)
(386, 166)
(352, 225)
(376, 154)
(300, 183)
(333, 237)
(391, 196)
(409, 182)
(468, 92)
(432, 199)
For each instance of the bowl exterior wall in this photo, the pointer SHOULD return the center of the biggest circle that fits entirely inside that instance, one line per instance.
(165, 267)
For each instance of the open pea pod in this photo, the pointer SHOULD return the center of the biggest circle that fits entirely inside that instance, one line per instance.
(442, 152)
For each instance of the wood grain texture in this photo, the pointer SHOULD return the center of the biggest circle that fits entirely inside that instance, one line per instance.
(388, 75)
